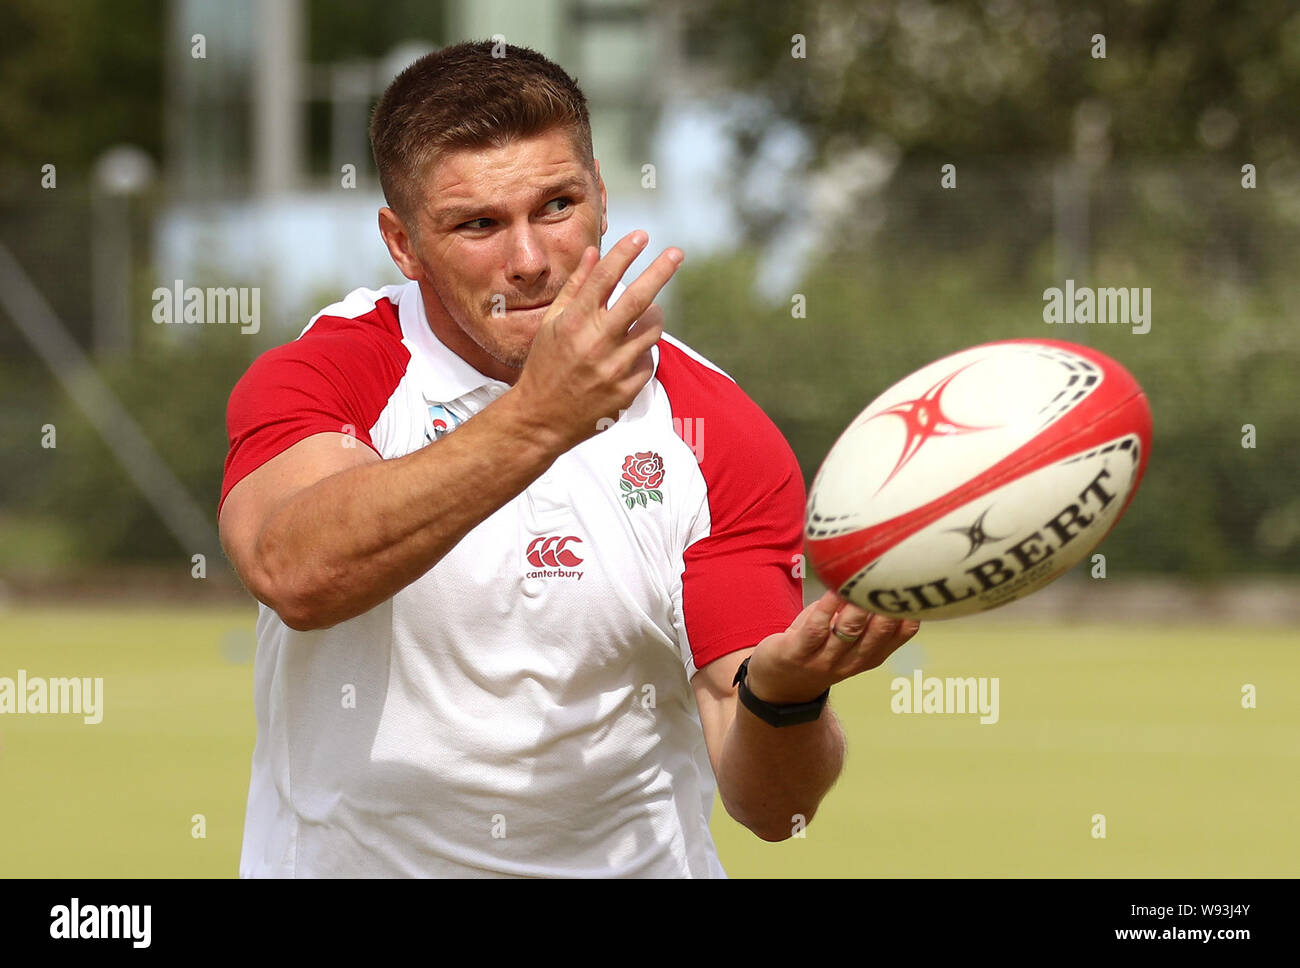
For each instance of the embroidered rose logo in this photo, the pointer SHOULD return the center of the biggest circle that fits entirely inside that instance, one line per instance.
(643, 472)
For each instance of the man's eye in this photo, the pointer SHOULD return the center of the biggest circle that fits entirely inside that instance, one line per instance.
(567, 202)
(474, 223)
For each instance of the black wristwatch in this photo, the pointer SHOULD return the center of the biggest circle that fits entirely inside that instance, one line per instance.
(783, 714)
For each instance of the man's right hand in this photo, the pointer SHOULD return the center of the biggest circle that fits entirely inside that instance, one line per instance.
(588, 362)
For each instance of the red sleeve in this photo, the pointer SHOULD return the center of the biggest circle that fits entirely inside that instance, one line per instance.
(338, 375)
(739, 583)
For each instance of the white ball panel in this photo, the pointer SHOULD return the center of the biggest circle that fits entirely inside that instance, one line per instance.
(881, 467)
(1006, 544)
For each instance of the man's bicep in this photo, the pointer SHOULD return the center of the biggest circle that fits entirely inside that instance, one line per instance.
(260, 493)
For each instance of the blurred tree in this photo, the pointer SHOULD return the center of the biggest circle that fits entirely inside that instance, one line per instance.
(177, 390)
(338, 31)
(76, 78)
(927, 83)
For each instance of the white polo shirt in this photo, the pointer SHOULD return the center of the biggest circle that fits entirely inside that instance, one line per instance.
(524, 708)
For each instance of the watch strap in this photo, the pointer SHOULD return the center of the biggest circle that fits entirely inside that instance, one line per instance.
(777, 714)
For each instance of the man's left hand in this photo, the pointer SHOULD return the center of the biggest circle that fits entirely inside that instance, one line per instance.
(805, 660)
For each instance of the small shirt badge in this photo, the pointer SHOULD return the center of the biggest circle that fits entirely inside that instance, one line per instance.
(643, 473)
(443, 420)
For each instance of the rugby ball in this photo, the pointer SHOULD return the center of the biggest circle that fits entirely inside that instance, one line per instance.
(978, 479)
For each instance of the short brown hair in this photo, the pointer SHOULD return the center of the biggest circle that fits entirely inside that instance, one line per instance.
(464, 97)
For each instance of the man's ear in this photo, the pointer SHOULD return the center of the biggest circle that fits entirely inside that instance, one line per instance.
(600, 182)
(401, 246)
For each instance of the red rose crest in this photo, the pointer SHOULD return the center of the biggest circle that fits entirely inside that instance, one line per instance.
(643, 472)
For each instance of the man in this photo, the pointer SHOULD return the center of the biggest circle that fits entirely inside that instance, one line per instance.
(512, 542)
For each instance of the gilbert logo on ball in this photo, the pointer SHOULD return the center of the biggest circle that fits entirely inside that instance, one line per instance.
(978, 479)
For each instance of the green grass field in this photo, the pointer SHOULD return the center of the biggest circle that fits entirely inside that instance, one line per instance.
(1144, 725)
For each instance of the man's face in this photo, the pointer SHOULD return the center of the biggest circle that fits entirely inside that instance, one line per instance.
(497, 233)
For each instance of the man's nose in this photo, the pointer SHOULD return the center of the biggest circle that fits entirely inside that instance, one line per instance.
(526, 261)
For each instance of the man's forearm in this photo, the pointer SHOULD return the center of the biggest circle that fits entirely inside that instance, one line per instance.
(772, 778)
(345, 544)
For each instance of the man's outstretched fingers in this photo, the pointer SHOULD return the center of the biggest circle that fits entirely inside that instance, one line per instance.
(645, 332)
(643, 290)
(573, 285)
(609, 270)
(634, 355)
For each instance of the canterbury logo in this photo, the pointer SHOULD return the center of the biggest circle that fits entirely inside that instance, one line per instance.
(552, 552)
